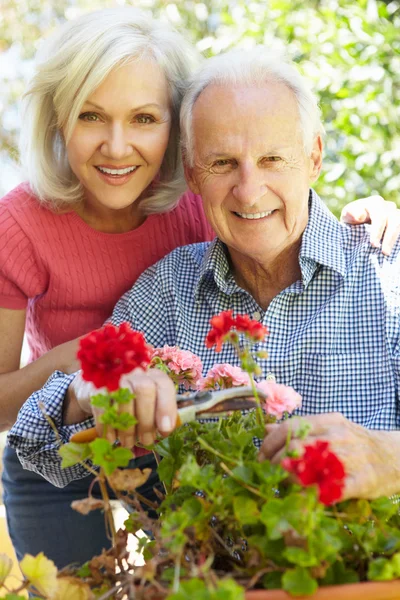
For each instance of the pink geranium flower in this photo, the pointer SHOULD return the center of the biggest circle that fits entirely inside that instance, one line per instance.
(280, 398)
(184, 367)
(223, 376)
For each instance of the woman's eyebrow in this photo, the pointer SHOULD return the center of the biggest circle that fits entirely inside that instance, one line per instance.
(147, 106)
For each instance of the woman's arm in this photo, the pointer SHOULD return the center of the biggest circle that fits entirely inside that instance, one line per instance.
(384, 217)
(16, 385)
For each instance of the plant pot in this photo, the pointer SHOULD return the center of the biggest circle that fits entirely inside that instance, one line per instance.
(371, 590)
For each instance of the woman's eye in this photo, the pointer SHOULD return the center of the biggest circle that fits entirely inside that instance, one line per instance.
(89, 117)
(145, 119)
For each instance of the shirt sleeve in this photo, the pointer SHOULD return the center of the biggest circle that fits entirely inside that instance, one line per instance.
(33, 437)
(36, 441)
(21, 277)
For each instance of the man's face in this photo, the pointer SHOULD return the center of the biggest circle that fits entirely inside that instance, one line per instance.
(251, 169)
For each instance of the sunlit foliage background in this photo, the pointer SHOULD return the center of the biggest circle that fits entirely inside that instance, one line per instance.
(349, 49)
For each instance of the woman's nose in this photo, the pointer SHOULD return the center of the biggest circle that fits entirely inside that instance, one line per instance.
(117, 144)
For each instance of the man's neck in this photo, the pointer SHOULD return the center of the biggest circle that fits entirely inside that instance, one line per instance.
(266, 279)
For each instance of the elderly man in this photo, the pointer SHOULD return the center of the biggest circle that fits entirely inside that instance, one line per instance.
(252, 141)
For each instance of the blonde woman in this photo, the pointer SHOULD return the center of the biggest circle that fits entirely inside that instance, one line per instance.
(100, 149)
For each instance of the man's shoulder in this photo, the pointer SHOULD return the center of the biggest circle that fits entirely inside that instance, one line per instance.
(356, 243)
(185, 258)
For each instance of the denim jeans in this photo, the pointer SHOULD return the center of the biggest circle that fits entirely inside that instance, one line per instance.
(40, 518)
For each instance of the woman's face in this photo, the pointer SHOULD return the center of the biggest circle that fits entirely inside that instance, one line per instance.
(119, 140)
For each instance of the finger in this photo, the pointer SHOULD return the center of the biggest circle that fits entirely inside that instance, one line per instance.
(380, 215)
(127, 437)
(295, 446)
(277, 435)
(143, 407)
(166, 409)
(392, 232)
(355, 212)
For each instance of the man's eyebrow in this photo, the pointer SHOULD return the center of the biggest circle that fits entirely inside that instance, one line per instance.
(268, 152)
(147, 106)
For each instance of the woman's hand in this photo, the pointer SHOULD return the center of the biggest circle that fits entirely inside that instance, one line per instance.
(384, 218)
(154, 406)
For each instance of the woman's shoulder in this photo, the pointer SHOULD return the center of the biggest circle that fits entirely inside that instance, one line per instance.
(20, 202)
(22, 209)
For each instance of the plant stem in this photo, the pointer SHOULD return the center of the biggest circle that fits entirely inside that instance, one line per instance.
(251, 489)
(177, 572)
(107, 505)
(216, 453)
(260, 414)
(157, 459)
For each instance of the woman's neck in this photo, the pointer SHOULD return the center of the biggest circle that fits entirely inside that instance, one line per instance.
(108, 220)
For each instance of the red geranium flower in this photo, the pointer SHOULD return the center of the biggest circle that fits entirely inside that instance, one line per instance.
(220, 326)
(254, 329)
(107, 353)
(319, 466)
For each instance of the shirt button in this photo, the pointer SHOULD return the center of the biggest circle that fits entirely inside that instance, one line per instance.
(257, 316)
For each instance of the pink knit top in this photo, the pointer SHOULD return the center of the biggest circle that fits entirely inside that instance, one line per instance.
(69, 276)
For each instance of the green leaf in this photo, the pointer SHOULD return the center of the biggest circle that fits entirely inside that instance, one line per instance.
(395, 560)
(272, 581)
(73, 453)
(384, 508)
(246, 510)
(298, 582)
(122, 396)
(101, 401)
(108, 457)
(13, 597)
(337, 574)
(381, 569)
(84, 570)
(196, 589)
(116, 420)
(301, 557)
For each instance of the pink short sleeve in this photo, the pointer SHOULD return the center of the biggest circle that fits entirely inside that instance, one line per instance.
(20, 276)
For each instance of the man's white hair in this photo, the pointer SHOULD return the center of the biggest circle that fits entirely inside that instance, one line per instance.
(70, 66)
(250, 68)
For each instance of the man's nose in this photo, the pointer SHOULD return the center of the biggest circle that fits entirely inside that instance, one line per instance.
(250, 184)
(117, 143)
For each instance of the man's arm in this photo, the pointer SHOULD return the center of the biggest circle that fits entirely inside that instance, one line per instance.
(371, 457)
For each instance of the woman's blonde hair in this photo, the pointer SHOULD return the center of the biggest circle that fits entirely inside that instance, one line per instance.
(70, 66)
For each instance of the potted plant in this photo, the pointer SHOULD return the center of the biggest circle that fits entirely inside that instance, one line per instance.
(229, 527)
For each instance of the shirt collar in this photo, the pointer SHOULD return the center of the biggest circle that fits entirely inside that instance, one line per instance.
(321, 245)
(322, 240)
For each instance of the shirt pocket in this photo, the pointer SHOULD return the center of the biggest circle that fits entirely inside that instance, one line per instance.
(359, 385)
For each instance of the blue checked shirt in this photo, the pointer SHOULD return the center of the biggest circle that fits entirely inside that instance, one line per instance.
(334, 334)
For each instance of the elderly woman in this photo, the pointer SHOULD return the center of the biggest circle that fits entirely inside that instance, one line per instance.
(252, 147)
(101, 154)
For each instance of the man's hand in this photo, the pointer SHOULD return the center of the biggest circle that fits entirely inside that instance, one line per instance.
(384, 218)
(370, 458)
(154, 406)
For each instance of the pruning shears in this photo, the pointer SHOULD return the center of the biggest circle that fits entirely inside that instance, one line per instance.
(199, 405)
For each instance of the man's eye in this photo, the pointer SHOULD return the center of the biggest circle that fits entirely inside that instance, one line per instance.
(272, 159)
(89, 117)
(223, 164)
(145, 119)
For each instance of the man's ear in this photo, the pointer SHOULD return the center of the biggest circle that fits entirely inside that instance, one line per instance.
(189, 176)
(316, 158)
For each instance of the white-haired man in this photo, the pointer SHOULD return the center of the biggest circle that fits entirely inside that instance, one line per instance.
(252, 142)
